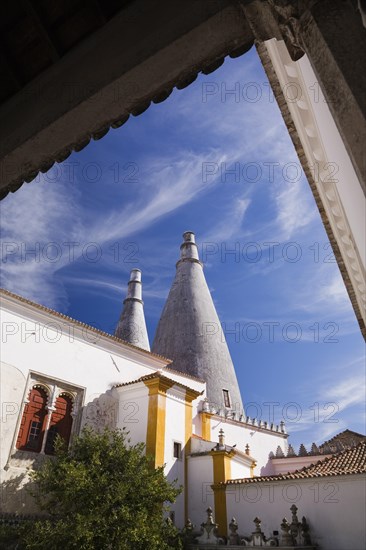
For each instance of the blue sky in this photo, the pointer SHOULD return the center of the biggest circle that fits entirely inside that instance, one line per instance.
(215, 159)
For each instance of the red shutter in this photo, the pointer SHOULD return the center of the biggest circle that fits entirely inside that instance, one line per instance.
(61, 422)
(32, 426)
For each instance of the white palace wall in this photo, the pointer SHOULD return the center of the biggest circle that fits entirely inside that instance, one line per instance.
(333, 506)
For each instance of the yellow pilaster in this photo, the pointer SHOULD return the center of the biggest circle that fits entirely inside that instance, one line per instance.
(155, 436)
(206, 425)
(222, 472)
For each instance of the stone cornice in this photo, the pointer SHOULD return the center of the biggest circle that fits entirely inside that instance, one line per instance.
(303, 129)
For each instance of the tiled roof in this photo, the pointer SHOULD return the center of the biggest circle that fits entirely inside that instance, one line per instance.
(185, 374)
(351, 461)
(157, 374)
(54, 313)
(343, 440)
(340, 442)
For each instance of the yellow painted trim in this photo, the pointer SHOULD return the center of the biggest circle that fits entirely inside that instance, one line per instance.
(220, 509)
(155, 436)
(206, 426)
(221, 473)
(191, 394)
(188, 427)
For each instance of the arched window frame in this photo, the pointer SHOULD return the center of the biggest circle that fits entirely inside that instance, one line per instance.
(31, 432)
(55, 421)
(53, 389)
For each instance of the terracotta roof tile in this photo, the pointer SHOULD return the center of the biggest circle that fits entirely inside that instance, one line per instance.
(157, 374)
(350, 461)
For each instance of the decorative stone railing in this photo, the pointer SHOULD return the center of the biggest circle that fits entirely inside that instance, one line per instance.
(325, 449)
(243, 419)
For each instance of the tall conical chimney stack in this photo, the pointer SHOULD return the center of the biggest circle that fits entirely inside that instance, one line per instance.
(190, 333)
(131, 325)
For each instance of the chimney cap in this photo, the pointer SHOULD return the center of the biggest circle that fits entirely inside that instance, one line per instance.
(189, 237)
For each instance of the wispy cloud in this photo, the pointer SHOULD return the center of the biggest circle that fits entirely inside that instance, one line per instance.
(172, 184)
(35, 225)
(335, 401)
(296, 209)
(50, 217)
(229, 226)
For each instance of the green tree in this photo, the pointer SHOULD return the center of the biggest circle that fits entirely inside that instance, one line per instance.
(102, 494)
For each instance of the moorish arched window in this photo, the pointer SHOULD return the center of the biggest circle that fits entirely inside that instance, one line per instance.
(33, 423)
(61, 422)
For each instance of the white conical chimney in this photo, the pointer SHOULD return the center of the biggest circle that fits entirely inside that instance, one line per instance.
(131, 325)
(190, 333)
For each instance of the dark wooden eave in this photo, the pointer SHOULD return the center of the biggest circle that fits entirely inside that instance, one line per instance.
(73, 70)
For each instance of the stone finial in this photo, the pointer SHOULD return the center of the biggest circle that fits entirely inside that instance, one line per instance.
(291, 451)
(189, 525)
(283, 427)
(247, 449)
(234, 538)
(206, 405)
(305, 532)
(302, 450)
(257, 522)
(293, 512)
(187, 531)
(314, 449)
(221, 439)
(279, 452)
(257, 537)
(296, 528)
(286, 537)
(209, 530)
(233, 525)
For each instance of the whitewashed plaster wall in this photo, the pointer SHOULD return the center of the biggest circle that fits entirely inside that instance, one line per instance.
(239, 467)
(33, 340)
(175, 432)
(284, 465)
(133, 405)
(200, 479)
(334, 507)
(261, 442)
